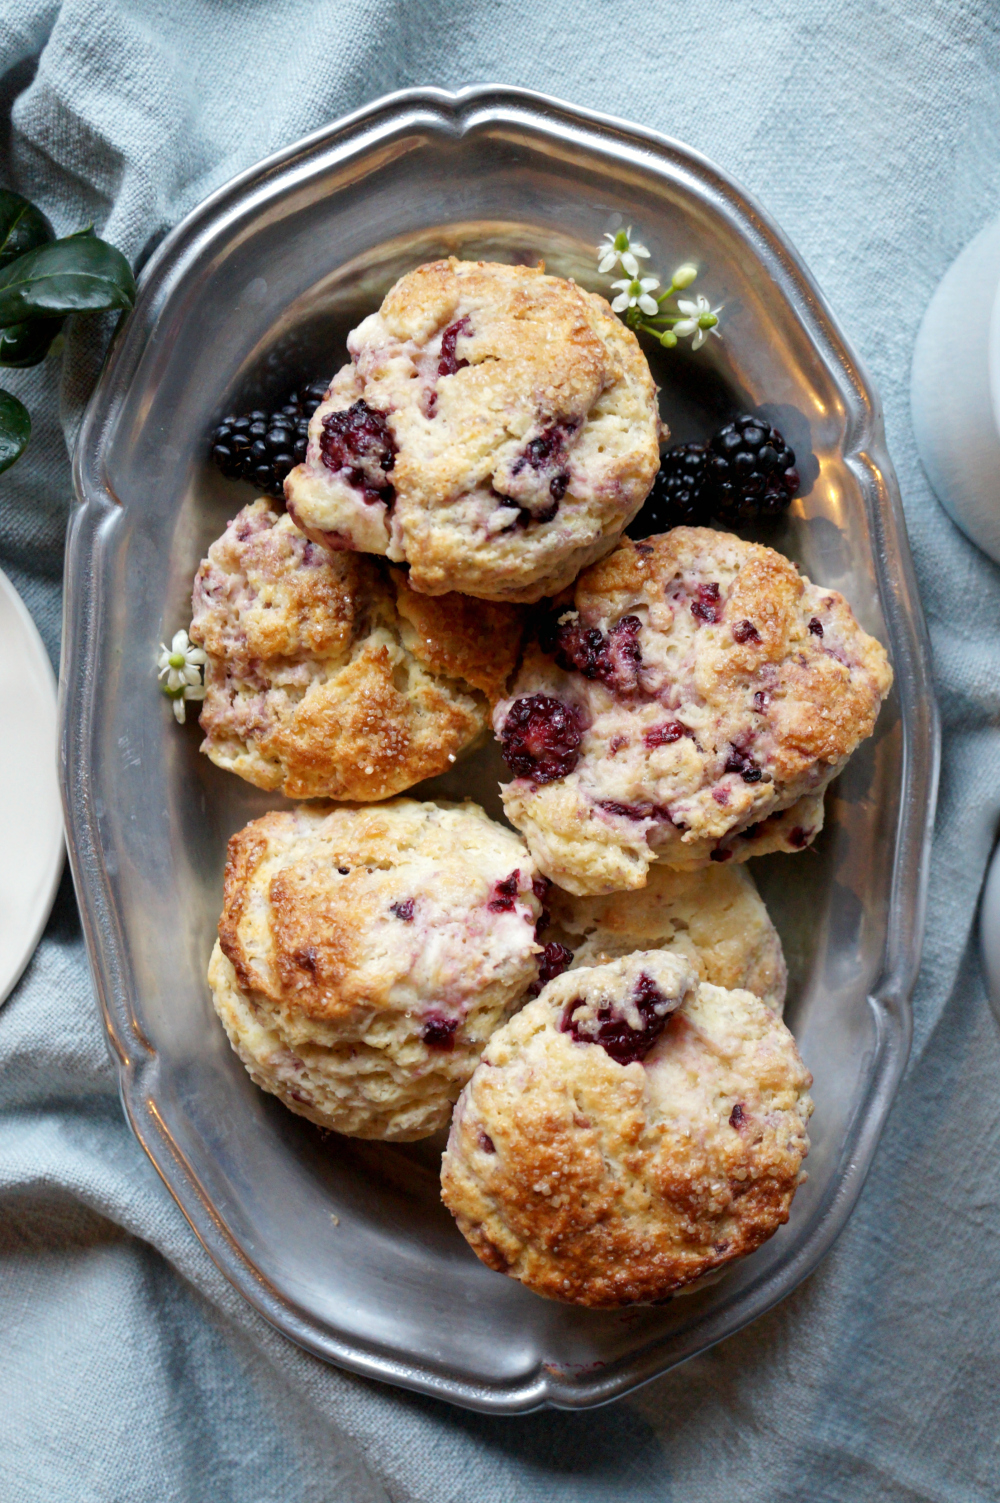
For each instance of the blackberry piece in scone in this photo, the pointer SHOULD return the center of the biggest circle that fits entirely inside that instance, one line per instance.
(496, 429)
(688, 702)
(366, 955)
(328, 676)
(627, 1133)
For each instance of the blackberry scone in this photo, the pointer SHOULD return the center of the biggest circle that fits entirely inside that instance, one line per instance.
(627, 1133)
(687, 702)
(496, 429)
(714, 918)
(328, 676)
(365, 956)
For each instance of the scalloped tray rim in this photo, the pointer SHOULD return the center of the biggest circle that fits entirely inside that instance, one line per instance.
(455, 114)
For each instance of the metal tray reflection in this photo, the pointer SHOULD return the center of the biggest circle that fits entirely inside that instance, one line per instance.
(343, 1245)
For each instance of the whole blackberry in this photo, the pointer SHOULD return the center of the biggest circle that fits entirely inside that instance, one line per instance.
(261, 446)
(752, 471)
(745, 473)
(679, 497)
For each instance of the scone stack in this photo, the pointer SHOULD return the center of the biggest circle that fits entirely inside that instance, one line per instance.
(594, 997)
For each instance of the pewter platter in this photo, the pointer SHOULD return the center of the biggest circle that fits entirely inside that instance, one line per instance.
(345, 1246)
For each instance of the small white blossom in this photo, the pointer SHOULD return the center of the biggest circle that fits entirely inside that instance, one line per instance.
(182, 665)
(635, 293)
(699, 319)
(623, 248)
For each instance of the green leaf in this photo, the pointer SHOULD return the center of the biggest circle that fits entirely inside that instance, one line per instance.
(28, 344)
(80, 274)
(22, 227)
(15, 429)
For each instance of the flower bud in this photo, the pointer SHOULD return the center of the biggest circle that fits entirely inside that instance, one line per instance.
(685, 275)
(668, 339)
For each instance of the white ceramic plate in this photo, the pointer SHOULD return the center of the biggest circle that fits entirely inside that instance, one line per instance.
(955, 391)
(31, 822)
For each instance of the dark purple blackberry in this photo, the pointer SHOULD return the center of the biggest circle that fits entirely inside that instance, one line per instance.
(615, 659)
(679, 497)
(551, 963)
(546, 455)
(614, 1033)
(752, 471)
(262, 446)
(357, 441)
(706, 606)
(449, 362)
(541, 738)
(439, 1032)
(505, 894)
(745, 473)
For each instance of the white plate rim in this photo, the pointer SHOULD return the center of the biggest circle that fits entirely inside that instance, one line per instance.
(37, 665)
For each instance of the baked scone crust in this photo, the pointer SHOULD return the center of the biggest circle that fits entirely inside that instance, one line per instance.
(327, 676)
(714, 918)
(713, 688)
(366, 954)
(515, 433)
(606, 1184)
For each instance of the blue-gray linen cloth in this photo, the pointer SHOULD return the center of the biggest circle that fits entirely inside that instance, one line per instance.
(129, 1369)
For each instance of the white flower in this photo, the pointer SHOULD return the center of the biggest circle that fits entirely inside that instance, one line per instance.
(699, 319)
(635, 293)
(623, 248)
(182, 663)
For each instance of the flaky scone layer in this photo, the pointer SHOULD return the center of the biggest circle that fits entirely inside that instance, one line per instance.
(366, 955)
(714, 918)
(496, 429)
(604, 1183)
(689, 701)
(328, 677)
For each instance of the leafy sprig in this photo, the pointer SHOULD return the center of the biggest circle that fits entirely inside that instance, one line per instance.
(687, 318)
(42, 281)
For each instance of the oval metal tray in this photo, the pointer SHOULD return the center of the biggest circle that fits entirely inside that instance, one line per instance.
(345, 1245)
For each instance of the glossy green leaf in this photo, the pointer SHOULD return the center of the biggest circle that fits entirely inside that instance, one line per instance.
(80, 274)
(15, 429)
(28, 344)
(22, 227)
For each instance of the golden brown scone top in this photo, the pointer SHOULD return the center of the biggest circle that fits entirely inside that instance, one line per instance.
(516, 421)
(311, 913)
(710, 687)
(540, 333)
(823, 702)
(367, 953)
(713, 917)
(604, 1183)
(327, 677)
(473, 641)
